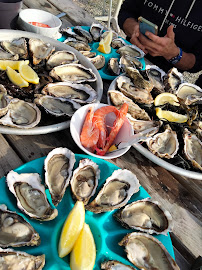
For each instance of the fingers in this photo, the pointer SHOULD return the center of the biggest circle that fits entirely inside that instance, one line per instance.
(135, 40)
(170, 33)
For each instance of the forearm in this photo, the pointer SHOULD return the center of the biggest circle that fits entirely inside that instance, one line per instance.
(187, 61)
(129, 26)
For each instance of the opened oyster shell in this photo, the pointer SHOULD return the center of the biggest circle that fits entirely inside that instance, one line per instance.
(77, 45)
(116, 192)
(145, 215)
(98, 61)
(140, 125)
(17, 260)
(4, 55)
(190, 93)
(30, 195)
(113, 66)
(84, 180)
(172, 80)
(58, 167)
(4, 100)
(146, 252)
(16, 47)
(156, 76)
(61, 58)
(83, 33)
(127, 61)
(131, 50)
(96, 31)
(115, 265)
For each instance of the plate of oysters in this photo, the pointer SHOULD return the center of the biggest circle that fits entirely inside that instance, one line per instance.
(86, 40)
(66, 82)
(174, 106)
(120, 221)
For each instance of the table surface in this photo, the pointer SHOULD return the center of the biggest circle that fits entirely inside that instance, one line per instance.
(179, 195)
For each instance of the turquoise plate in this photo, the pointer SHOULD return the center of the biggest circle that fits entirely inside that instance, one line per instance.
(103, 71)
(106, 230)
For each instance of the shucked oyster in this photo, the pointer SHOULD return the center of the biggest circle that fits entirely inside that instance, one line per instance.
(30, 195)
(145, 215)
(61, 58)
(84, 180)
(131, 50)
(18, 260)
(16, 46)
(96, 31)
(116, 192)
(115, 265)
(190, 93)
(146, 252)
(84, 33)
(172, 80)
(15, 231)
(98, 61)
(58, 167)
(4, 55)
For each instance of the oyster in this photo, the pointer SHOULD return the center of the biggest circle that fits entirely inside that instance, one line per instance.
(117, 99)
(190, 93)
(145, 215)
(84, 33)
(4, 100)
(73, 73)
(21, 114)
(146, 252)
(114, 34)
(40, 50)
(172, 80)
(30, 195)
(115, 265)
(57, 106)
(84, 180)
(78, 45)
(88, 54)
(193, 149)
(156, 76)
(61, 58)
(96, 31)
(72, 34)
(127, 61)
(58, 167)
(16, 46)
(131, 50)
(15, 231)
(118, 43)
(80, 93)
(140, 125)
(165, 144)
(17, 260)
(113, 66)
(4, 55)
(98, 61)
(116, 192)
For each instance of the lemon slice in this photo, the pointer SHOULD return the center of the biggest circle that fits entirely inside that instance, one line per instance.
(83, 254)
(104, 45)
(16, 78)
(71, 229)
(112, 148)
(13, 64)
(171, 116)
(28, 74)
(163, 98)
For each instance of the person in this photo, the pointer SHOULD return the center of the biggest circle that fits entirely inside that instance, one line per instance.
(179, 39)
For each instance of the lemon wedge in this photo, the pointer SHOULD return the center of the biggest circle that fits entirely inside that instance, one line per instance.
(16, 78)
(104, 45)
(171, 116)
(28, 74)
(83, 254)
(71, 229)
(112, 148)
(163, 98)
(12, 64)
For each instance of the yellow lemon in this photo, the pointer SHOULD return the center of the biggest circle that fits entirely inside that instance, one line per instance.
(166, 98)
(16, 78)
(12, 63)
(112, 148)
(71, 229)
(28, 74)
(104, 45)
(83, 254)
(171, 116)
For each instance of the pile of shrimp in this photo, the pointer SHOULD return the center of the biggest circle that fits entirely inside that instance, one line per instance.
(94, 135)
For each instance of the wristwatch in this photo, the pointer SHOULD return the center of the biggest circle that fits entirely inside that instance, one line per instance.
(177, 58)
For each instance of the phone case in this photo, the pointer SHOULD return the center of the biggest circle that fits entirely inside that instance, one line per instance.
(146, 25)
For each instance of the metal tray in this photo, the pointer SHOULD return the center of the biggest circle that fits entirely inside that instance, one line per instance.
(98, 85)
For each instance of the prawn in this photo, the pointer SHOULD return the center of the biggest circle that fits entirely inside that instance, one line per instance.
(89, 133)
(99, 121)
(115, 129)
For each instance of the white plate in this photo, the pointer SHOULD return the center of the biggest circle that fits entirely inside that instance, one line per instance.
(98, 85)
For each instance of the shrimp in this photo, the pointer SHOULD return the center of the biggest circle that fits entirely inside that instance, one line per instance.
(115, 129)
(99, 121)
(89, 134)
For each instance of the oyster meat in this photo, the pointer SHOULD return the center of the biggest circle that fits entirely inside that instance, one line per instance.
(78, 45)
(190, 93)
(88, 54)
(4, 55)
(131, 50)
(30, 195)
(84, 180)
(16, 46)
(140, 125)
(172, 80)
(127, 61)
(146, 252)
(116, 192)
(60, 58)
(58, 167)
(113, 66)
(115, 265)
(98, 61)
(4, 100)
(145, 215)
(156, 76)
(96, 31)
(17, 260)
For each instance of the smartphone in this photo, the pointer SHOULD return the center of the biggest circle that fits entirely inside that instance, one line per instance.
(146, 25)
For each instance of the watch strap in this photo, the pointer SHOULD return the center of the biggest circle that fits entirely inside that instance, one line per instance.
(177, 58)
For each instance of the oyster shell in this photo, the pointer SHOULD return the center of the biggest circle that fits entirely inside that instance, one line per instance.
(114, 35)
(115, 265)
(88, 54)
(156, 76)
(4, 55)
(78, 45)
(98, 61)
(172, 80)
(193, 149)
(84, 33)
(146, 252)
(15, 231)
(96, 31)
(61, 58)
(113, 66)
(145, 215)
(57, 106)
(165, 144)
(73, 73)
(80, 93)
(72, 34)
(118, 43)
(21, 114)
(131, 50)
(84, 180)
(190, 93)
(58, 167)
(16, 46)
(30, 195)
(40, 50)
(116, 192)
(127, 61)
(4, 100)
(17, 260)
(140, 125)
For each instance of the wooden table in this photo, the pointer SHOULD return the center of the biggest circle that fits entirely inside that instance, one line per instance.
(180, 196)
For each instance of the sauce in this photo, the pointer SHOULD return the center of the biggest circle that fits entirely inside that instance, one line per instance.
(40, 24)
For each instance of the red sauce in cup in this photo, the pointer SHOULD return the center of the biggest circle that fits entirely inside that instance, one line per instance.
(40, 24)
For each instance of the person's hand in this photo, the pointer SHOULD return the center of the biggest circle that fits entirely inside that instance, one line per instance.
(135, 38)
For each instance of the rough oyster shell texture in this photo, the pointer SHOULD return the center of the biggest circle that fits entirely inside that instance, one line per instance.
(115, 265)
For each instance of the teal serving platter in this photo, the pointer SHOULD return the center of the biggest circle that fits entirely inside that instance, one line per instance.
(107, 232)
(104, 73)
